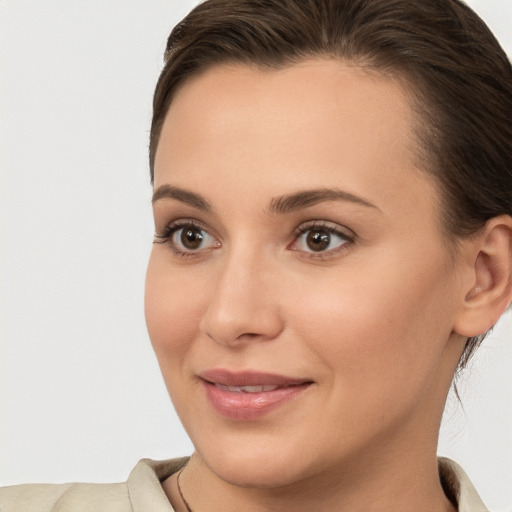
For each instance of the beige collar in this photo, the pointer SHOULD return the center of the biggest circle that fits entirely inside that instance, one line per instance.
(146, 493)
(458, 486)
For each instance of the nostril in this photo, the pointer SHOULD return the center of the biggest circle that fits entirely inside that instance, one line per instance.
(233, 320)
(247, 336)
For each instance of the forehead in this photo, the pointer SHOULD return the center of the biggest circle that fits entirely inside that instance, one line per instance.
(314, 124)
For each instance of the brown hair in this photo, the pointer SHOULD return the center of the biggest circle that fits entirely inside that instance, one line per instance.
(459, 77)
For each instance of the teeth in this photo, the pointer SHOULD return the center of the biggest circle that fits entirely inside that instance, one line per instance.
(247, 389)
(257, 389)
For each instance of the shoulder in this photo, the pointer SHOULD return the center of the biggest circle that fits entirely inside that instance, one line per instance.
(141, 492)
(62, 497)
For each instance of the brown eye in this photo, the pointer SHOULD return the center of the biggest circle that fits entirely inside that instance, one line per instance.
(318, 240)
(191, 238)
(321, 238)
(188, 239)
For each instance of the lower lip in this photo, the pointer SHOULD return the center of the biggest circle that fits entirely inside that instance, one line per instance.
(250, 406)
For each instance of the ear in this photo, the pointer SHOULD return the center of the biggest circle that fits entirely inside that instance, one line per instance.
(488, 282)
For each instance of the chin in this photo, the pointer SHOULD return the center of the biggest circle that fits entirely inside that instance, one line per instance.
(254, 471)
(261, 461)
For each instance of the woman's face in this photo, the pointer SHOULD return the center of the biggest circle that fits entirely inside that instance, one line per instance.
(300, 298)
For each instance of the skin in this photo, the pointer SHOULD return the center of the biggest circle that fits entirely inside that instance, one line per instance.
(372, 320)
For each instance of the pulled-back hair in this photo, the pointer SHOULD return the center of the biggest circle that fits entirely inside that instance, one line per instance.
(455, 71)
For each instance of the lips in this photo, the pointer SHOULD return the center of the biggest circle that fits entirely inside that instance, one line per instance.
(249, 395)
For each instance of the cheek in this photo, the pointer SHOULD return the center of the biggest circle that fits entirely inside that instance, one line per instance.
(172, 309)
(379, 326)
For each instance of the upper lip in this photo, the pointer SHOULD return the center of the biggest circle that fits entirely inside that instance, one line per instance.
(249, 378)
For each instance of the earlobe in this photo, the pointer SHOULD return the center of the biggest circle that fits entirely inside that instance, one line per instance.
(490, 283)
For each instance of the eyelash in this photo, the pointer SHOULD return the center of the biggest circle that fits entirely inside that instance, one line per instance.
(311, 226)
(171, 229)
(166, 236)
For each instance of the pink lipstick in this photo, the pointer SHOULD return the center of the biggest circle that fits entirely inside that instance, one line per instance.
(249, 395)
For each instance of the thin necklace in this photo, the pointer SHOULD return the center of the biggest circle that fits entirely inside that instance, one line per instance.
(181, 492)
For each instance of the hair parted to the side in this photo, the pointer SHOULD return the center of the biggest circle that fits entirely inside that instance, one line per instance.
(457, 74)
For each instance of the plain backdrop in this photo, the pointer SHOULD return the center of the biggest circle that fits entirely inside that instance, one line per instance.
(81, 396)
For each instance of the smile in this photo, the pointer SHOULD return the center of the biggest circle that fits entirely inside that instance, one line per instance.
(249, 395)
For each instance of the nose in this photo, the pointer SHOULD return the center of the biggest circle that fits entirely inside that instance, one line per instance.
(244, 304)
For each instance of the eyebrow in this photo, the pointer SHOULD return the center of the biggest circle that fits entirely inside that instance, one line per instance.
(307, 198)
(184, 196)
(282, 204)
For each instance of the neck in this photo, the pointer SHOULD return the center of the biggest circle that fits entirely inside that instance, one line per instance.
(375, 487)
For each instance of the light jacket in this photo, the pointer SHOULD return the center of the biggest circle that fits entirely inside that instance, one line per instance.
(143, 492)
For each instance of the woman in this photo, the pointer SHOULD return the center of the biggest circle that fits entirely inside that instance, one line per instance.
(332, 203)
